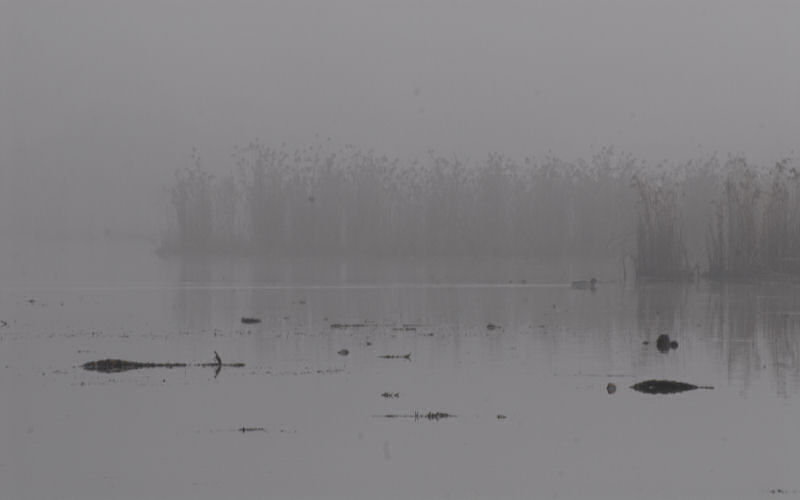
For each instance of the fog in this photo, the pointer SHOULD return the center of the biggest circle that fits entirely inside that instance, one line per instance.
(101, 102)
(366, 249)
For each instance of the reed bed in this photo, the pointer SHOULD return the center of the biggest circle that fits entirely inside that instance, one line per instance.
(351, 202)
(724, 219)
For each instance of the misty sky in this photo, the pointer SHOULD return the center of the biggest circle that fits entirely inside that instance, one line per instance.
(101, 101)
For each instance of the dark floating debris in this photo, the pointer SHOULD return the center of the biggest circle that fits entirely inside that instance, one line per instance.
(251, 429)
(396, 356)
(664, 343)
(666, 387)
(122, 365)
(611, 388)
(500, 416)
(584, 284)
(3, 323)
(346, 326)
(431, 415)
(343, 352)
(390, 395)
(492, 327)
(250, 321)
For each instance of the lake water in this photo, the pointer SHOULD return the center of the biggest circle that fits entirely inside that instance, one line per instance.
(514, 361)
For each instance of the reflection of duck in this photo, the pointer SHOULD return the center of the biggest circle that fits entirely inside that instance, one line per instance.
(584, 284)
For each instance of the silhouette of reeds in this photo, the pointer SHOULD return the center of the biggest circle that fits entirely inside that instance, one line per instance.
(347, 202)
(660, 248)
(755, 229)
(350, 202)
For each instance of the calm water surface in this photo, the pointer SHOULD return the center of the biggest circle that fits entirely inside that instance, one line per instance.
(317, 419)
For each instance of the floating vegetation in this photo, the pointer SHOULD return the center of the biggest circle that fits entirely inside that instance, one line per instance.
(390, 395)
(434, 416)
(122, 365)
(396, 356)
(251, 429)
(666, 387)
(307, 371)
(250, 321)
(584, 284)
(349, 326)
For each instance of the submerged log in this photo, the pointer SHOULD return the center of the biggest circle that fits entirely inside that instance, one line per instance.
(123, 365)
(666, 387)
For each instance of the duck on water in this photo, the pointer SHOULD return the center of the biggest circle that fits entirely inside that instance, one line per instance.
(585, 284)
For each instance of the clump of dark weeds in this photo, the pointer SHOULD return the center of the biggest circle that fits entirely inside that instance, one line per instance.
(396, 356)
(251, 429)
(431, 415)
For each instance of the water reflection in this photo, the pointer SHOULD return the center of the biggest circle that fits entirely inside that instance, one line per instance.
(556, 363)
(732, 335)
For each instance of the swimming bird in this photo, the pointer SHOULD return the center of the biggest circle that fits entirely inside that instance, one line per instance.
(584, 284)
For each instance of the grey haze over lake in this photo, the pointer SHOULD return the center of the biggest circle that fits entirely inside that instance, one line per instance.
(360, 249)
(101, 102)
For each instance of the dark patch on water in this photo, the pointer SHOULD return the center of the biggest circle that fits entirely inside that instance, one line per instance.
(404, 328)
(390, 395)
(122, 365)
(396, 356)
(307, 371)
(348, 326)
(250, 321)
(666, 387)
(431, 415)
(664, 343)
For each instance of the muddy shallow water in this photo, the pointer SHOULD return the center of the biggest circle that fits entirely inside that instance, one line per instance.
(389, 380)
